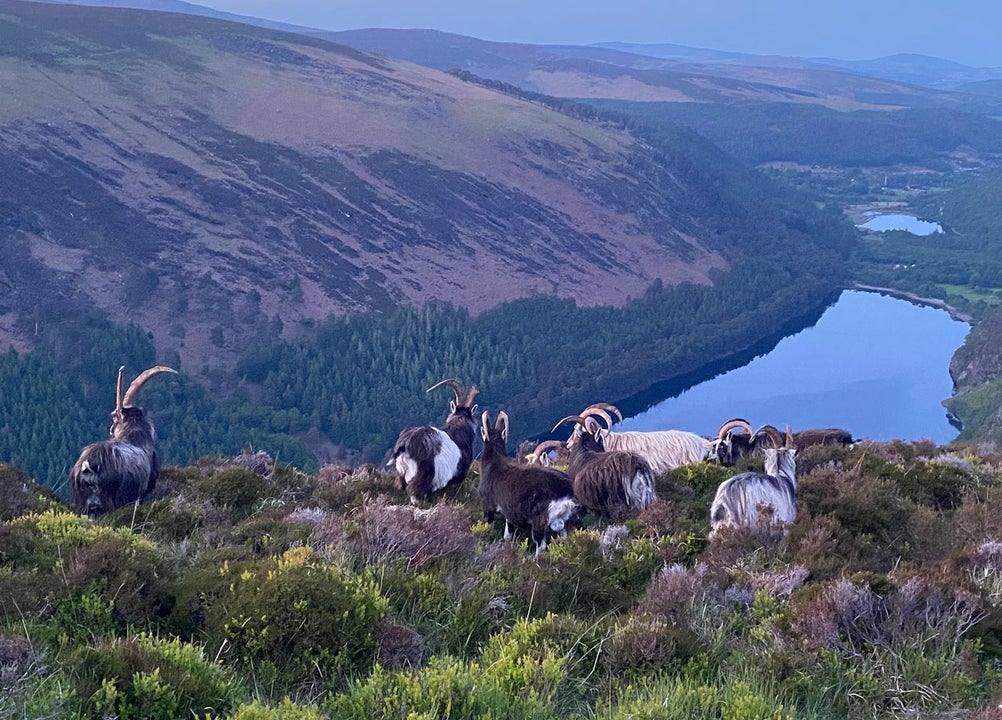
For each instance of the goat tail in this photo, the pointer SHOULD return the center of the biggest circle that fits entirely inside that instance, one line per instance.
(560, 512)
(639, 489)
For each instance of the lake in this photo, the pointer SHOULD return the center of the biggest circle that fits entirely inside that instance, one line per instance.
(872, 364)
(908, 223)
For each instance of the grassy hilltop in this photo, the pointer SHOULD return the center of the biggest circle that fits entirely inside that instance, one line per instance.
(249, 589)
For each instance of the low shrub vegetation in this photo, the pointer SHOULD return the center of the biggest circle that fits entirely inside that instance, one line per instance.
(253, 591)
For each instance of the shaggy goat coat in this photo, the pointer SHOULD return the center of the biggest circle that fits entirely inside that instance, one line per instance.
(750, 498)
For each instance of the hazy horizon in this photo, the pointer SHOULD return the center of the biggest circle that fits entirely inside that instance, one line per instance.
(965, 31)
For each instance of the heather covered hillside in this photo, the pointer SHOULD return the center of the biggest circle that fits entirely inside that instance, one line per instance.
(245, 588)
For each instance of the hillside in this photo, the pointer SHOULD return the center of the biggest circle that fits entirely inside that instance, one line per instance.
(200, 178)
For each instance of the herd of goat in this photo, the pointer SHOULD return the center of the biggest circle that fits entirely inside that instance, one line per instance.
(609, 474)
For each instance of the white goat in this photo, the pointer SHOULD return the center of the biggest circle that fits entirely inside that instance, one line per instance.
(663, 450)
(750, 498)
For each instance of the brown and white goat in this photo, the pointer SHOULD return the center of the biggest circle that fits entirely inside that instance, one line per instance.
(752, 498)
(124, 468)
(430, 457)
(614, 484)
(530, 497)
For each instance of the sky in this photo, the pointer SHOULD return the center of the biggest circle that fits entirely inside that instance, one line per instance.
(965, 31)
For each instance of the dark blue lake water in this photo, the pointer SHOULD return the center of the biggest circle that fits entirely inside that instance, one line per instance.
(872, 364)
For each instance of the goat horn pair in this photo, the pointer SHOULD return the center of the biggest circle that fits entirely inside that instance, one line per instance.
(500, 424)
(122, 401)
(731, 424)
(772, 433)
(607, 407)
(591, 411)
(457, 388)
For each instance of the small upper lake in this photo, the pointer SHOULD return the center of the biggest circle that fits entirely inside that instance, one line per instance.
(872, 364)
(908, 223)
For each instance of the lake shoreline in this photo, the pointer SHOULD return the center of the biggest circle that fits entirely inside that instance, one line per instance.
(917, 300)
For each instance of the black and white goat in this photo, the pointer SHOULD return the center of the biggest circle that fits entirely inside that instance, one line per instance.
(613, 484)
(664, 450)
(754, 443)
(752, 498)
(124, 468)
(430, 457)
(529, 497)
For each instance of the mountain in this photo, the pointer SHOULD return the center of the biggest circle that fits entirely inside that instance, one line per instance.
(209, 180)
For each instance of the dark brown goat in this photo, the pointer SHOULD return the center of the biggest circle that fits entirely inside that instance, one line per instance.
(123, 469)
(429, 457)
(616, 484)
(529, 497)
(738, 445)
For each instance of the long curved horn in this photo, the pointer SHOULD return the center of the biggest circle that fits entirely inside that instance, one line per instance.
(546, 446)
(485, 424)
(593, 410)
(469, 397)
(608, 408)
(789, 438)
(138, 383)
(118, 395)
(772, 433)
(731, 424)
(457, 388)
(576, 418)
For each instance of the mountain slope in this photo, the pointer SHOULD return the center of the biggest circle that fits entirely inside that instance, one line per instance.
(199, 177)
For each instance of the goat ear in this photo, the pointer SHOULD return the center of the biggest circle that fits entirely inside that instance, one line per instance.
(452, 406)
(473, 409)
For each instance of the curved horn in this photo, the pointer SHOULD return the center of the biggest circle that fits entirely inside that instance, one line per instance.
(469, 397)
(502, 422)
(789, 438)
(608, 408)
(731, 424)
(118, 395)
(485, 424)
(138, 383)
(546, 446)
(772, 433)
(593, 410)
(576, 418)
(457, 388)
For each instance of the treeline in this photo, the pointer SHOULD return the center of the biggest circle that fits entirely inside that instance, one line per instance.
(811, 134)
(962, 265)
(356, 381)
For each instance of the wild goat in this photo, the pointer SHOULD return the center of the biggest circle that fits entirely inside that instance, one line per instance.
(664, 450)
(615, 484)
(750, 498)
(529, 497)
(429, 457)
(123, 469)
(754, 443)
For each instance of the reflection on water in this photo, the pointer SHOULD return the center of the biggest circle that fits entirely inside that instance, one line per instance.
(874, 365)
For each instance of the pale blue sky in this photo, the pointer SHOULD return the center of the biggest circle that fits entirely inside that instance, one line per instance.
(967, 31)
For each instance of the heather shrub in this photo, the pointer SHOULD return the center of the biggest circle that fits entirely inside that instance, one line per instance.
(146, 678)
(505, 685)
(57, 555)
(292, 621)
(342, 487)
(29, 686)
(642, 645)
(379, 530)
(239, 490)
(20, 495)
(726, 697)
(453, 612)
(573, 577)
(285, 710)
(273, 532)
